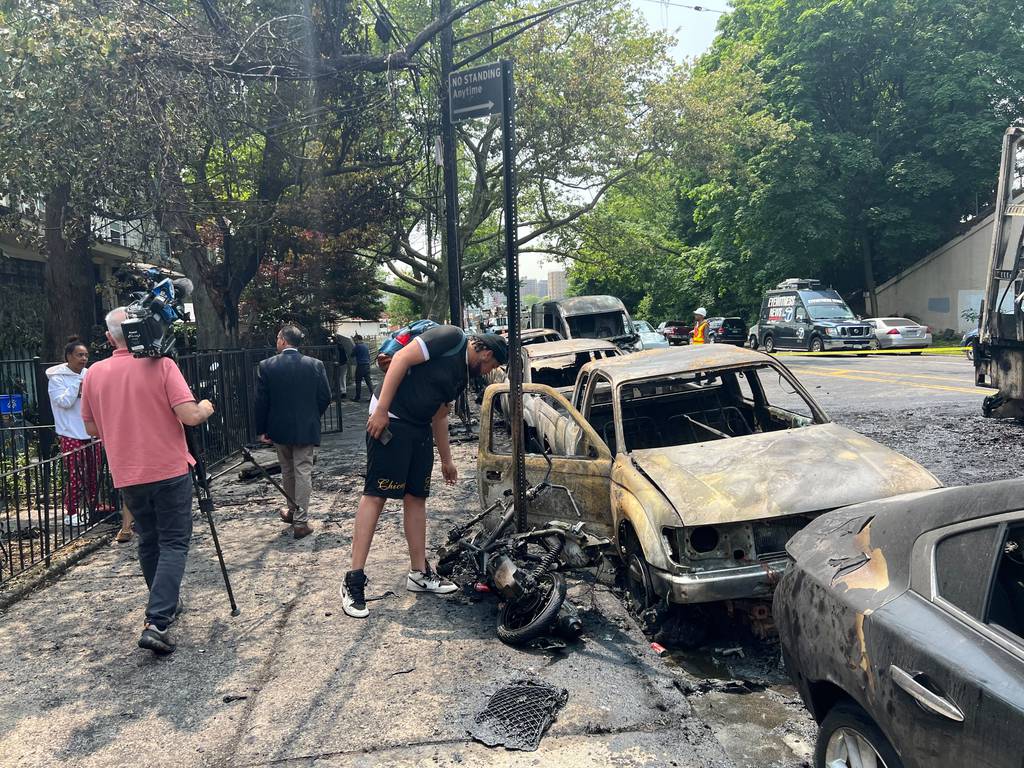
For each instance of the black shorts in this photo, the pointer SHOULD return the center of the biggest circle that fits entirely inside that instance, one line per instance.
(403, 466)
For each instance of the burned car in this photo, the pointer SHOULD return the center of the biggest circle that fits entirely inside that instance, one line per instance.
(557, 363)
(902, 625)
(700, 462)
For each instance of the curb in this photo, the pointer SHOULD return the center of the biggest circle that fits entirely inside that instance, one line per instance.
(9, 598)
(926, 351)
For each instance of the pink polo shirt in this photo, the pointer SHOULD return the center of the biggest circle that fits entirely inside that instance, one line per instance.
(130, 400)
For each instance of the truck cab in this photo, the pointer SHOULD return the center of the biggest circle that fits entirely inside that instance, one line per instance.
(588, 317)
(801, 315)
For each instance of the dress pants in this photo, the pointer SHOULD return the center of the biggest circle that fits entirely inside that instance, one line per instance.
(296, 476)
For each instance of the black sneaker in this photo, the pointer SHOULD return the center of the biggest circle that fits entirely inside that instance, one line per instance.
(353, 595)
(157, 640)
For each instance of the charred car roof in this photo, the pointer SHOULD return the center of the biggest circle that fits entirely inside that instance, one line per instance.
(868, 546)
(588, 305)
(662, 362)
(567, 347)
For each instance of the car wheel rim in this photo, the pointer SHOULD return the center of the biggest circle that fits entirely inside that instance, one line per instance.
(639, 581)
(873, 344)
(849, 749)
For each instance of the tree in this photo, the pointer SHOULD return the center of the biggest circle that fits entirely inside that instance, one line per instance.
(585, 115)
(73, 143)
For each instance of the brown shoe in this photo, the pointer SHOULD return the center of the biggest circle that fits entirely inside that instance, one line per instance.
(286, 516)
(301, 530)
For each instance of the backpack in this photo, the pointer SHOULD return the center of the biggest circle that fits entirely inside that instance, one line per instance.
(400, 338)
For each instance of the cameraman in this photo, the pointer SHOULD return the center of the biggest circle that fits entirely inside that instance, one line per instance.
(137, 406)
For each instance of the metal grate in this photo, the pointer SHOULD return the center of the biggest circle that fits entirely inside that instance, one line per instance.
(771, 538)
(517, 715)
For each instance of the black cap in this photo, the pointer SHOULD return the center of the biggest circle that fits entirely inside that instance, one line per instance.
(496, 344)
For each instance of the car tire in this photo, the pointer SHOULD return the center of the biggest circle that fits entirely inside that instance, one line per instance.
(873, 344)
(847, 727)
(817, 345)
(752, 342)
(639, 584)
(769, 344)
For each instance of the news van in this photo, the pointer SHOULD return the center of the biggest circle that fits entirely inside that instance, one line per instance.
(801, 315)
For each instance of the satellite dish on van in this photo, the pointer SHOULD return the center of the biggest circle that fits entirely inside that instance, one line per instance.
(798, 284)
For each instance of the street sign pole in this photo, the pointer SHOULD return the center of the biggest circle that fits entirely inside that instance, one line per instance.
(482, 92)
(451, 202)
(515, 361)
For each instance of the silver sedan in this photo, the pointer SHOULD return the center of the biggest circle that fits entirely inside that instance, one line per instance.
(899, 333)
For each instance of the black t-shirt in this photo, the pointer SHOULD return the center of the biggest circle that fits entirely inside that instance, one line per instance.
(438, 380)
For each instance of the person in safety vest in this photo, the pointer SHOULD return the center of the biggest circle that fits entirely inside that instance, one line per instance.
(700, 326)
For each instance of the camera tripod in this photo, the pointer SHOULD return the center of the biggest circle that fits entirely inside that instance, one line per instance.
(201, 486)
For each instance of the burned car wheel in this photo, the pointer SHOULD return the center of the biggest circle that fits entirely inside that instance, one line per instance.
(519, 623)
(849, 739)
(639, 584)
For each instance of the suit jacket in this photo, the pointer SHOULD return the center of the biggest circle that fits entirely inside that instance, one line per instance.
(292, 394)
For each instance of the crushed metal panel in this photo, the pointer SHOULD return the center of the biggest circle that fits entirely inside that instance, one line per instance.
(517, 715)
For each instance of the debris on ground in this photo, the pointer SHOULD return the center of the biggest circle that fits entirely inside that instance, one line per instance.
(517, 715)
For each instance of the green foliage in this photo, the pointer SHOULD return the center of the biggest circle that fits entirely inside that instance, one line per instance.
(836, 139)
(401, 310)
(21, 321)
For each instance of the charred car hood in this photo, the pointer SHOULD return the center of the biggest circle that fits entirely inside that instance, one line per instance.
(774, 474)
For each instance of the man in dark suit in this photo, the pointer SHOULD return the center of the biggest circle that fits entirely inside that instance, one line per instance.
(292, 394)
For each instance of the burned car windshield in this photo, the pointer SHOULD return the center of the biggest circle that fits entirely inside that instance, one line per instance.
(697, 407)
(603, 325)
(560, 371)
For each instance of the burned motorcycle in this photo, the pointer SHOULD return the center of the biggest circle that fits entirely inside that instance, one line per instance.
(525, 569)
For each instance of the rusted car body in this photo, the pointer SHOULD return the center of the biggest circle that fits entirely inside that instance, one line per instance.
(681, 457)
(906, 616)
(557, 363)
(587, 317)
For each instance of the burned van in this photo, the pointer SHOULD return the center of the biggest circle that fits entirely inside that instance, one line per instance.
(588, 317)
(800, 314)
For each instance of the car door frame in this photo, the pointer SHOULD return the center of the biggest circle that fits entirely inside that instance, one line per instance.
(953, 678)
(587, 477)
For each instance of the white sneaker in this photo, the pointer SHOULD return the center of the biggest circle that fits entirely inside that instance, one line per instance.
(353, 595)
(418, 581)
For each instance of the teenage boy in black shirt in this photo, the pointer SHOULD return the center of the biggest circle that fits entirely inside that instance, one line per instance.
(407, 416)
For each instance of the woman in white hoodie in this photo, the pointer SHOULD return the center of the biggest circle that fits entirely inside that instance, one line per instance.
(82, 455)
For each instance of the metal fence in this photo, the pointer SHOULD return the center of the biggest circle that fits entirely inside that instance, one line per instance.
(228, 379)
(47, 504)
(39, 490)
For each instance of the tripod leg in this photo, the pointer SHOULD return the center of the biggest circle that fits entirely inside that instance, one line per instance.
(206, 506)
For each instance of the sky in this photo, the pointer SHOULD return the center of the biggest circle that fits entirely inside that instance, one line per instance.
(693, 30)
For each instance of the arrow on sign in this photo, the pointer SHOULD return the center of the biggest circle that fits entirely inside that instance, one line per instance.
(485, 105)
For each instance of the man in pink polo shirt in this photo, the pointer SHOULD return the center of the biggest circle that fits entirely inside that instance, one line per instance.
(138, 406)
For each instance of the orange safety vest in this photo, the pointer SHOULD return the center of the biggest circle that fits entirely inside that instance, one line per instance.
(698, 332)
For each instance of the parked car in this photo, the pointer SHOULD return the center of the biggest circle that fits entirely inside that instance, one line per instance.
(699, 462)
(557, 363)
(800, 314)
(727, 330)
(649, 338)
(675, 332)
(969, 340)
(902, 625)
(898, 333)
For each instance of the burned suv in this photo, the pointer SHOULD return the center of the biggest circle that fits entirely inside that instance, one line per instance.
(800, 314)
(700, 462)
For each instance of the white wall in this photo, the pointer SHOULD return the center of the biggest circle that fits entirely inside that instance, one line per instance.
(945, 283)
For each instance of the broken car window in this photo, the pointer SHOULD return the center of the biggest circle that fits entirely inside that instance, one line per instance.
(964, 587)
(1006, 606)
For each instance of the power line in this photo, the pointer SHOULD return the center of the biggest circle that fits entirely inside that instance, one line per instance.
(701, 8)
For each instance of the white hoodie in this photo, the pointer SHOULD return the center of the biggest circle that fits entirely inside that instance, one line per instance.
(65, 401)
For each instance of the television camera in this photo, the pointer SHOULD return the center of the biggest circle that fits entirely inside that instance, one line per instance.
(147, 327)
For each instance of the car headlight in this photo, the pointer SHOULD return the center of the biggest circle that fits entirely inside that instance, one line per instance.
(830, 331)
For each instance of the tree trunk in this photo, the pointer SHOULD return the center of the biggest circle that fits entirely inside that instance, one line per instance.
(70, 276)
(867, 251)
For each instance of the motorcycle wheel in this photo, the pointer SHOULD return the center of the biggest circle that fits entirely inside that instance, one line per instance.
(519, 623)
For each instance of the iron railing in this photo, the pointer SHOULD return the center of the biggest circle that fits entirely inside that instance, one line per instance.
(36, 486)
(50, 503)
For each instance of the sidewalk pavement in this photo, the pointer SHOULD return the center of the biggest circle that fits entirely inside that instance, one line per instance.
(292, 681)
